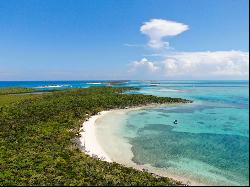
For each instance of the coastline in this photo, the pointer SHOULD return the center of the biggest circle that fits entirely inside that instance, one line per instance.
(89, 141)
(92, 147)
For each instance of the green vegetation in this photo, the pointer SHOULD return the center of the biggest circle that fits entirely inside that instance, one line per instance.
(8, 99)
(15, 94)
(16, 90)
(38, 139)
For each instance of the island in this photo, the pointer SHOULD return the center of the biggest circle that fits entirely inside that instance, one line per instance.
(39, 137)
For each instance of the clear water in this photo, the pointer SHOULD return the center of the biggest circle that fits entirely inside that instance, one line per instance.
(214, 137)
(49, 85)
(210, 143)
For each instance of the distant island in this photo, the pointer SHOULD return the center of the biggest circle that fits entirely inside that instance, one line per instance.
(39, 133)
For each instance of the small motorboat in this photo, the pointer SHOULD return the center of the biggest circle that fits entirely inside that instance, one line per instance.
(175, 122)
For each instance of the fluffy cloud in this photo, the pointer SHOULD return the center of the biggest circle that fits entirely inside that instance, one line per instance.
(143, 66)
(186, 65)
(157, 29)
(199, 65)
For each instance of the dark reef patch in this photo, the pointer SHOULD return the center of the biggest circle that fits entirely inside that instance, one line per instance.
(229, 153)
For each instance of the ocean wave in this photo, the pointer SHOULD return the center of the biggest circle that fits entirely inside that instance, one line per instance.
(94, 83)
(54, 86)
(168, 90)
(154, 84)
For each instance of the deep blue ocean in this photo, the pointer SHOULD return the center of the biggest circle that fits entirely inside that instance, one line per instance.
(210, 143)
(48, 85)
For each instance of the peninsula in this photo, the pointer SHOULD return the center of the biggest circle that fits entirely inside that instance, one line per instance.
(39, 134)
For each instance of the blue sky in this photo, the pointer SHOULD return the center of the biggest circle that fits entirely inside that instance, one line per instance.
(95, 39)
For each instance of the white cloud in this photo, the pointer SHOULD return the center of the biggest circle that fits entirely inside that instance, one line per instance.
(186, 65)
(143, 66)
(157, 29)
(199, 65)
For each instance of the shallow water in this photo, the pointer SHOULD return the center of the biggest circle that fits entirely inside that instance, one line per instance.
(209, 145)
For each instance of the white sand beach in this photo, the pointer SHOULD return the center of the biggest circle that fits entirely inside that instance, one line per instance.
(90, 140)
(88, 137)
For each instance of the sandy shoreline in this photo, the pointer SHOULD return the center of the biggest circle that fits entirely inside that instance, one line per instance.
(88, 138)
(92, 147)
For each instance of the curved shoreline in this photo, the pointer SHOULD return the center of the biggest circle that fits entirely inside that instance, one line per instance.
(92, 147)
(89, 141)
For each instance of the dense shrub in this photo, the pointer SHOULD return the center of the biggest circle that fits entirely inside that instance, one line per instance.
(37, 133)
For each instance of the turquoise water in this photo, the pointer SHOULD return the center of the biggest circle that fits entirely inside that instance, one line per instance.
(49, 85)
(209, 144)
